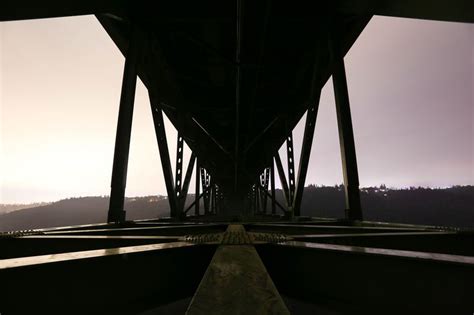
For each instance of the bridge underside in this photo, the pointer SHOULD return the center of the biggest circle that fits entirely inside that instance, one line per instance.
(265, 266)
(234, 78)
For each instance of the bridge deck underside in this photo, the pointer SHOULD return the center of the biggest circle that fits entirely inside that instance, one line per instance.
(234, 80)
(325, 266)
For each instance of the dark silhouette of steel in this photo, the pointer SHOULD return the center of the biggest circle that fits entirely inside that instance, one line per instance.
(196, 201)
(237, 91)
(265, 178)
(310, 124)
(204, 189)
(179, 170)
(291, 171)
(164, 155)
(207, 196)
(206, 183)
(259, 200)
(285, 210)
(346, 134)
(122, 141)
(186, 182)
(253, 200)
(272, 173)
(281, 174)
(213, 199)
(197, 188)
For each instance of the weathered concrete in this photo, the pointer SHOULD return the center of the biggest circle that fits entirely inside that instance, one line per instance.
(236, 281)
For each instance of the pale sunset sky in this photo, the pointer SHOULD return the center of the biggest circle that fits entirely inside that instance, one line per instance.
(410, 82)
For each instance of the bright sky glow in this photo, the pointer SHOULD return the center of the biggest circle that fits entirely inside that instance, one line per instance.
(410, 83)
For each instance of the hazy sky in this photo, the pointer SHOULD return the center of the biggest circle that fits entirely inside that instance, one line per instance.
(410, 84)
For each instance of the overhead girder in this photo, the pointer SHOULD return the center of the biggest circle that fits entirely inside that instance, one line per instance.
(203, 135)
(442, 10)
(12, 10)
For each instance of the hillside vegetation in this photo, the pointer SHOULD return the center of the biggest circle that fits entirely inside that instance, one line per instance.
(445, 207)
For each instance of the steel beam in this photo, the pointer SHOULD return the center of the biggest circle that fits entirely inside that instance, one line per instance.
(198, 184)
(208, 194)
(124, 129)
(171, 230)
(406, 281)
(299, 229)
(272, 174)
(206, 183)
(266, 179)
(186, 182)
(276, 203)
(306, 151)
(281, 174)
(164, 155)
(258, 199)
(196, 200)
(346, 135)
(204, 188)
(260, 194)
(93, 281)
(291, 170)
(179, 170)
(237, 92)
(213, 199)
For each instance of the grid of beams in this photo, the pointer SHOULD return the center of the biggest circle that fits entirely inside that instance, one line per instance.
(426, 268)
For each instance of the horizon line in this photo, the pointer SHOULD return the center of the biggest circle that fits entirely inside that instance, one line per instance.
(315, 185)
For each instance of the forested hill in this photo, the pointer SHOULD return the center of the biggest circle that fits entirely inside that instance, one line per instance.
(447, 207)
(81, 210)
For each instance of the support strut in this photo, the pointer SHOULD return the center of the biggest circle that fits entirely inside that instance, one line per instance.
(164, 155)
(272, 172)
(124, 129)
(186, 183)
(291, 171)
(198, 184)
(179, 172)
(306, 152)
(264, 179)
(346, 135)
(281, 174)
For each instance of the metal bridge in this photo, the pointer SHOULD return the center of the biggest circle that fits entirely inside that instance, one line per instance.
(234, 78)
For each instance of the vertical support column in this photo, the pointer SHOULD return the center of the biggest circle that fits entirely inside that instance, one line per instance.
(306, 152)
(179, 172)
(346, 136)
(272, 172)
(291, 171)
(255, 199)
(260, 184)
(258, 200)
(208, 193)
(124, 129)
(185, 184)
(204, 188)
(214, 192)
(206, 183)
(164, 155)
(198, 184)
(266, 179)
(281, 174)
(216, 199)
